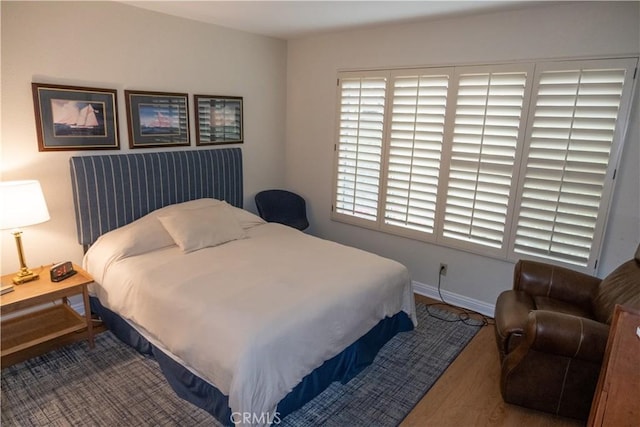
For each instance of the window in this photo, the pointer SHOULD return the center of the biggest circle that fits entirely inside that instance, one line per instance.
(362, 102)
(415, 150)
(509, 160)
(575, 129)
(487, 119)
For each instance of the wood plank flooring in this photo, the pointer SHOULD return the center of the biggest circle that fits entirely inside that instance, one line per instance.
(468, 393)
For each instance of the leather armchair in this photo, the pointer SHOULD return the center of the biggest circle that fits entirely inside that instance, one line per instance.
(552, 330)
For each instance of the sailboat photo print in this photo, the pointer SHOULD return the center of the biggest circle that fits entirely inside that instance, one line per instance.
(78, 118)
(75, 118)
(157, 119)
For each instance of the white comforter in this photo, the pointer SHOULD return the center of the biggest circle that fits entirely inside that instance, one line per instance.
(256, 315)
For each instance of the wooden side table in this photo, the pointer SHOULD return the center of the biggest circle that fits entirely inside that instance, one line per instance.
(615, 402)
(41, 329)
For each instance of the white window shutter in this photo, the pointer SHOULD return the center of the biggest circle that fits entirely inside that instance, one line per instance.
(359, 148)
(575, 113)
(415, 145)
(466, 157)
(482, 153)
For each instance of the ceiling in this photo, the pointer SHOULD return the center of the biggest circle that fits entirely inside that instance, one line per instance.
(296, 19)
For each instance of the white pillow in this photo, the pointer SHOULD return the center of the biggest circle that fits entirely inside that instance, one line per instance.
(144, 235)
(147, 234)
(246, 219)
(194, 229)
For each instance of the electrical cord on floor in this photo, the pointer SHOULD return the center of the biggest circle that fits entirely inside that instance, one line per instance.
(464, 316)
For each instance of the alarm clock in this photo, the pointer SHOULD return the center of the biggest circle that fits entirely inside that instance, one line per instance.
(61, 271)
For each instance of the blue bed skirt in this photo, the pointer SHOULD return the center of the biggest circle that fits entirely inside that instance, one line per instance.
(192, 388)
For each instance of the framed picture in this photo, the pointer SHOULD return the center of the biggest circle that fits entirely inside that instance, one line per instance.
(157, 119)
(218, 119)
(75, 118)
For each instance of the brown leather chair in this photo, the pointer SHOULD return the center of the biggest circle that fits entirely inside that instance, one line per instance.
(552, 330)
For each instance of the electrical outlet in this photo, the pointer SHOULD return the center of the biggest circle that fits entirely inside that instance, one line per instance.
(443, 269)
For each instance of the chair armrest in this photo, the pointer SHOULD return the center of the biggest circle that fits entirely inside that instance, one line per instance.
(542, 279)
(566, 335)
(511, 317)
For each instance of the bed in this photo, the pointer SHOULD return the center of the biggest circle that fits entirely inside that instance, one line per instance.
(248, 320)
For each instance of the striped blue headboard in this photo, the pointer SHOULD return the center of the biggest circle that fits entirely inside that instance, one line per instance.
(110, 191)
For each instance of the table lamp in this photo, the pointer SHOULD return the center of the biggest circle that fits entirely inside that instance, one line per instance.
(22, 204)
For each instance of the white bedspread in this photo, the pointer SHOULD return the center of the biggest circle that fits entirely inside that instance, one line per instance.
(253, 316)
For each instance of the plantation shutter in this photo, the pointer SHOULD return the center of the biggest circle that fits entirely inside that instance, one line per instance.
(491, 159)
(574, 122)
(484, 141)
(359, 148)
(415, 146)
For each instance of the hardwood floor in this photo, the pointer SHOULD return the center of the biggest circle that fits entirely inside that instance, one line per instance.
(468, 393)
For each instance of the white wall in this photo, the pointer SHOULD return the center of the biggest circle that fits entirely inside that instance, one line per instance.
(537, 32)
(111, 45)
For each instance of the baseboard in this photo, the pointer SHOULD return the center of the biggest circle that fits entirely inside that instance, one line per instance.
(454, 299)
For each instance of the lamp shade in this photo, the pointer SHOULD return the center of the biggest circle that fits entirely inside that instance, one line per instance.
(22, 204)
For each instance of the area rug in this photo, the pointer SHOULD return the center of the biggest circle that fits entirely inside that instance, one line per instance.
(113, 385)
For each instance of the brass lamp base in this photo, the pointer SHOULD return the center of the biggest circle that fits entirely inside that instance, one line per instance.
(25, 276)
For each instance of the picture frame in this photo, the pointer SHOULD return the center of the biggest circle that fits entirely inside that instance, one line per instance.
(157, 119)
(219, 119)
(75, 117)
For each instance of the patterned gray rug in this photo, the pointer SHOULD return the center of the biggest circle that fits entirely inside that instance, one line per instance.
(113, 385)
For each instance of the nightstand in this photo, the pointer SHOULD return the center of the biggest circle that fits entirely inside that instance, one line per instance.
(41, 329)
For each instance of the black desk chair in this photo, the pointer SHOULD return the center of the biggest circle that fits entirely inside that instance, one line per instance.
(283, 207)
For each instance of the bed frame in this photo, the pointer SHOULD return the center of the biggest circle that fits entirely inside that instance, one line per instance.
(110, 191)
